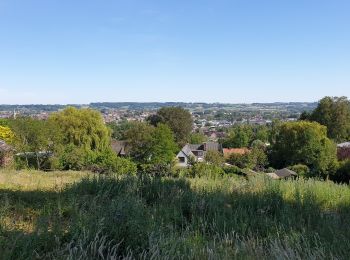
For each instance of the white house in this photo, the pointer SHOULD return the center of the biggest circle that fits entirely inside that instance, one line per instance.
(196, 151)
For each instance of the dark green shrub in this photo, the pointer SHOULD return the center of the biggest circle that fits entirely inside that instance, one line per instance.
(35, 161)
(207, 170)
(232, 170)
(270, 169)
(304, 143)
(214, 157)
(109, 162)
(343, 172)
(73, 158)
(180, 172)
(301, 169)
(239, 160)
(155, 170)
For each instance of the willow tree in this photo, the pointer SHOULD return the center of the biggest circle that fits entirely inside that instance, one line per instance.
(82, 128)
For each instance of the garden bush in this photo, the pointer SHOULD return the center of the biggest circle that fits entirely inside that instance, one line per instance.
(301, 169)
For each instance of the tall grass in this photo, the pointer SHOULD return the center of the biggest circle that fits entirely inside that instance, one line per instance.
(99, 217)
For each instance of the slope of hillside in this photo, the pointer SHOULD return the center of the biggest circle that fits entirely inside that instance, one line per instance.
(79, 215)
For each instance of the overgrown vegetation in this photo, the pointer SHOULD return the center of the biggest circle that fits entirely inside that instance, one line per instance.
(305, 143)
(110, 217)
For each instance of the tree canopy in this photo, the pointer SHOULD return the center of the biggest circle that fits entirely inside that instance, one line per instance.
(178, 119)
(214, 157)
(82, 128)
(244, 135)
(139, 139)
(334, 113)
(34, 136)
(151, 145)
(163, 146)
(4, 122)
(238, 136)
(119, 129)
(197, 138)
(304, 143)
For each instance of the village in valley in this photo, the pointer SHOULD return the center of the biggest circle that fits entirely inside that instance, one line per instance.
(210, 119)
(212, 122)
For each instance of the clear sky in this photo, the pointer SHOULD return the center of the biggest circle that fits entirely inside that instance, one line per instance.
(237, 51)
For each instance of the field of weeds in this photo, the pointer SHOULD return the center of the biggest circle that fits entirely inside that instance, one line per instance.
(77, 215)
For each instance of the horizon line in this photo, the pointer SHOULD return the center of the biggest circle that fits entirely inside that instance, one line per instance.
(150, 102)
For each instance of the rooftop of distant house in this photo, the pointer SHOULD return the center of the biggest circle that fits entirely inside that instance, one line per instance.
(344, 145)
(281, 174)
(119, 147)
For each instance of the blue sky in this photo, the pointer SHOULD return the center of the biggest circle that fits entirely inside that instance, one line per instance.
(237, 51)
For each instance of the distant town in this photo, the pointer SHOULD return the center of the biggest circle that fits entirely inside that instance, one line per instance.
(209, 118)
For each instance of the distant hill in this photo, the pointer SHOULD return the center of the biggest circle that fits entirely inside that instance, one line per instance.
(286, 106)
(298, 106)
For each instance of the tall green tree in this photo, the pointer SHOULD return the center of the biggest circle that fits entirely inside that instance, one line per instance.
(334, 113)
(261, 133)
(163, 146)
(214, 157)
(84, 137)
(139, 139)
(83, 128)
(257, 158)
(239, 136)
(119, 129)
(304, 143)
(4, 122)
(151, 145)
(34, 136)
(197, 138)
(178, 119)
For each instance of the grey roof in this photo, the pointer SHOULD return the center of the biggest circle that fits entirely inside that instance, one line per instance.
(187, 150)
(343, 145)
(212, 146)
(285, 173)
(4, 147)
(208, 146)
(119, 146)
(192, 149)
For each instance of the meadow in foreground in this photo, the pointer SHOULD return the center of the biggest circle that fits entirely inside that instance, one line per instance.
(77, 215)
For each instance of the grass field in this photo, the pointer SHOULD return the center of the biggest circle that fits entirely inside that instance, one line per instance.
(76, 215)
